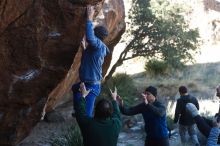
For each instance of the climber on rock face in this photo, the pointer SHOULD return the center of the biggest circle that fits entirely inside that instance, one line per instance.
(90, 71)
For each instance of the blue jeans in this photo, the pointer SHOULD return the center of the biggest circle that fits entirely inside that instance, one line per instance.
(191, 131)
(90, 98)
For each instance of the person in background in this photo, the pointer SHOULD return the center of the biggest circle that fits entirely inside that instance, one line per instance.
(90, 71)
(186, 122)
(104, 128)
(154, 114)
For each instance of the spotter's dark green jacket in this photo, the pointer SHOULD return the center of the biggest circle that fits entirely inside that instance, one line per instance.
(98, 132)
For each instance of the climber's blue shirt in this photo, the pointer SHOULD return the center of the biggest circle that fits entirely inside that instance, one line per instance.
(93, 57)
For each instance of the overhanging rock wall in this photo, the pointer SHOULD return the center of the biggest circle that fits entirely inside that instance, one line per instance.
(40, 55)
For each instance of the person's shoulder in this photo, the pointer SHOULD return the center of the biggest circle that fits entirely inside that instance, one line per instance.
(103, 48)
(103, 45)
(192, 97)
(180, 99)
(158, 103)
(116, 124)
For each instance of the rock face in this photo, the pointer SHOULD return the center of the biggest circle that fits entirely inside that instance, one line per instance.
(40, 56)
(212, 5)
(205, 15)
(112, 16)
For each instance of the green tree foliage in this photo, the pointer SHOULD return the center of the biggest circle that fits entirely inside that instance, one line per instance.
(159, 30)
(156, 67)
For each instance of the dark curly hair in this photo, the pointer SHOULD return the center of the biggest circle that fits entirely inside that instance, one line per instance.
(103, 109)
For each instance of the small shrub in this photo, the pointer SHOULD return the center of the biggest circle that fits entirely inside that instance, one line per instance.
(125, 86)
(70, 138)
(156, 67)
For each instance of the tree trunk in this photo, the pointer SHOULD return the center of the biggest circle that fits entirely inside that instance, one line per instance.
(120, 61)
(117, 64)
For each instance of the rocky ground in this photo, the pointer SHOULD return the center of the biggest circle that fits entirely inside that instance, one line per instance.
(54, 125)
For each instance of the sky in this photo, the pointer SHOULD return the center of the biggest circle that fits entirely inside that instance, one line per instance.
(209, 54)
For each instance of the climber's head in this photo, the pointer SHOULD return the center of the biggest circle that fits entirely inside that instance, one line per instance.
(101, 32)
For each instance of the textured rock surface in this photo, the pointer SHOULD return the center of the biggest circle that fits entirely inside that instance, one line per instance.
(112, 16)
(39, 41)
(212, 4)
